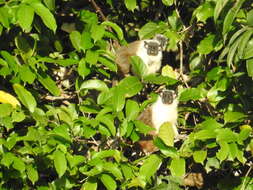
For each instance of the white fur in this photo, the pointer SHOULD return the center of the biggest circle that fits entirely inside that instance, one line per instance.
(162, 113)
(153, 63)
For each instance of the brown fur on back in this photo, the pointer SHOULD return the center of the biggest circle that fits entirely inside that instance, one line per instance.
(123, 55)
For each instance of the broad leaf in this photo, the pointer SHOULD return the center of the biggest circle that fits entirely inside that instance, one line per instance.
(25, 97)
(8, 98)
(48, 83)
(116, 28)
(166, 133)
(130, 86)
(199, 156)
(25, 16)
(108, 182)
(32, 173)
(60, 162)
(150, 166)
(130, 4)
(75, 38)
(44, 13)
(177, 167)
(94, 84)
(132, 110)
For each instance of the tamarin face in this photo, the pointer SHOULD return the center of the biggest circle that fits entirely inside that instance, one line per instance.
(168, 96)
(152, 47)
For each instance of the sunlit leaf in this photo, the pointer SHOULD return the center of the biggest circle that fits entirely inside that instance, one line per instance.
(25, 16)
(108, 182)
(94, 84)
(44, 13)
(25, 97)
(60, 162)
(130, 4)
(8, 98)
(177, 167)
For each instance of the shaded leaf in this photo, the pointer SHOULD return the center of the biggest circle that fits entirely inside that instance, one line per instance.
(32, 173)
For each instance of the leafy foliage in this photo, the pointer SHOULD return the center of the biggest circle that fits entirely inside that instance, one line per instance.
(64, 124)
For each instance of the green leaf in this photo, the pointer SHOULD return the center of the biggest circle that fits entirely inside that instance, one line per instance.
(130, 4)
(60, 162)
(50, 4)
(75, 38)
(142, 128)
(108, 182)
(206, 45)
(90, 184)
(4, 17)
(130, 86)
(205, 134)
(250, 18)
(32, 173)
(118, 99)
(7, 159)
(245, 132)
(149, 30)
(91, 57)
(159, 79)
(166, 133)
(25, 97)
(94, 84)
(26, 74)
(132, 110)
(10, 60)
(228, 21)
(231, 117)
(48, 83)
(97, 32)
(249, 66)
(168, 2)
(113, 169)
(199, 156)
(5, 110)
(244, 39)
(222, 154)
(107, 153)
(116, 28)
(18, 164)
(127, 171)
(150, 166)
(177, 167)
(44, 13)
(83, 69)
(25, 16)
(220, 4)
(233, 151)
(190, 94)
(108, 121)
(86, 41)
(226, 135)
(204, 11)
(138, 66)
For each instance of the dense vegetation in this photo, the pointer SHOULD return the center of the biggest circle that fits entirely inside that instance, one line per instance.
(64, 125)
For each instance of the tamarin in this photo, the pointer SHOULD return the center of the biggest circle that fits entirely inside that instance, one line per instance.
(150, 51)
(164, 109)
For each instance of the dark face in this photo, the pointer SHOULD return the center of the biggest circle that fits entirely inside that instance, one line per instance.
(153, 48)
(168, 96)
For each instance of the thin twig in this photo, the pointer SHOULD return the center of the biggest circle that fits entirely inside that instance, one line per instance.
(98, 9)
(245, 178)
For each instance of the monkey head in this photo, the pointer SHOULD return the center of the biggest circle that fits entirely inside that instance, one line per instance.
(152, 47)
(168, 96)
(162, 40)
